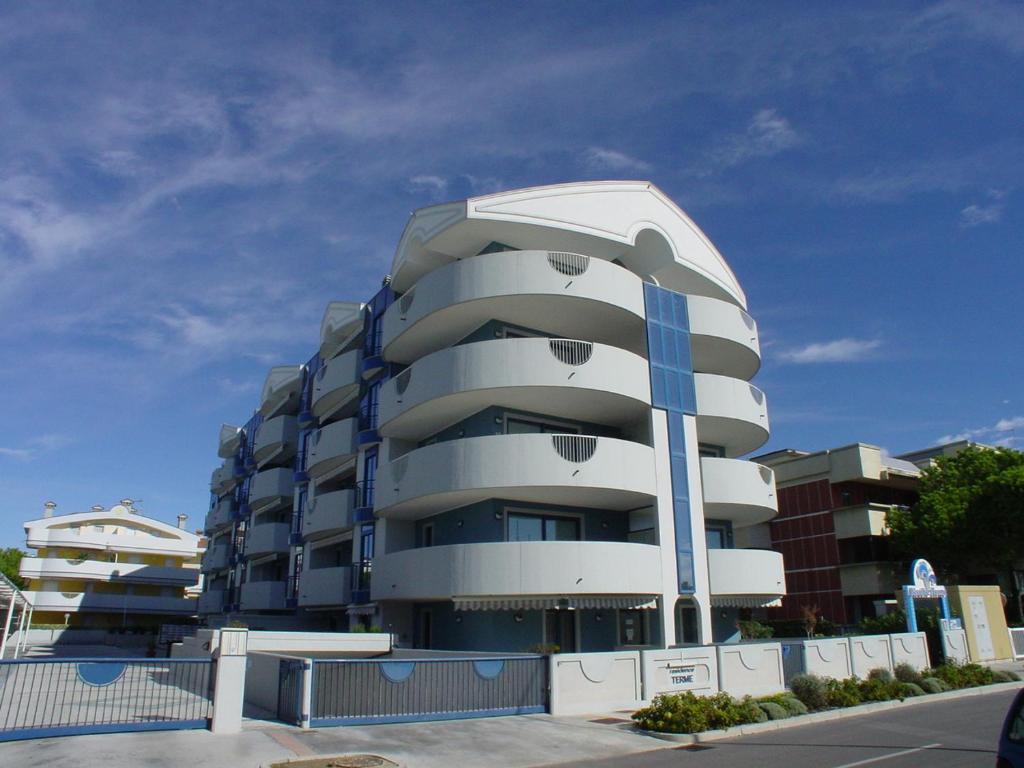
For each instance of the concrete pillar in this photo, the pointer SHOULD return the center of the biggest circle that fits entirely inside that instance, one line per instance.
(229, 684)
(307, 693)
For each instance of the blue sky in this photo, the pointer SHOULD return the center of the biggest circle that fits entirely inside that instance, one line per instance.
(184, 186)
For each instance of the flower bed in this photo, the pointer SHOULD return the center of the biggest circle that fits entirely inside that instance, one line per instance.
(689, 713)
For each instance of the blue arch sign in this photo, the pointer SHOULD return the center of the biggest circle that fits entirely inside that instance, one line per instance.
(923, 586)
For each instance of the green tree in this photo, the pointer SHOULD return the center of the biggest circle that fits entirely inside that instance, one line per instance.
(10, 559)
(969, 516)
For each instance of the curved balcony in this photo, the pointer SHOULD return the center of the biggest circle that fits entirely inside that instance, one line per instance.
(745, 578)
(331, 447)
(723, 338)
(99, 570)
(225, 477)
(575, 379)
(730, 413)
(576, 470)
(211, 601)
(336, 386)
(282, 390)
(70, 602)
(328, 513)
(518, 569)
(216, 558)
(271, 488)
(263, 596)
(267, 538)
(566, 295)
(276, 440)
(342, 324)
(82, 538)
(230, 441)
(321, 587)
(221, 515)
(739, 491)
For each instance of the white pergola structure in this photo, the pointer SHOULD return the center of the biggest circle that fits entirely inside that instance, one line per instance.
(10, 598)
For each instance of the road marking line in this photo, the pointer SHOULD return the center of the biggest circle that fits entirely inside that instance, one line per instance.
(887, 757)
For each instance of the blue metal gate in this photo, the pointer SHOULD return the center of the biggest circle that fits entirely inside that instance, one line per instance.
(289, 691)
(60, 697)
(365, 691)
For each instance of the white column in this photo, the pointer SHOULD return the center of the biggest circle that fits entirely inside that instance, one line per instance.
(7, 627)
(307, 693)
(702, 594)
(665, 514)
(229, 685)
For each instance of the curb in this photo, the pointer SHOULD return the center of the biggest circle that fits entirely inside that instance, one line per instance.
(827, 715)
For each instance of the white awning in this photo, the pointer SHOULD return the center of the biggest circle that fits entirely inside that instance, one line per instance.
(746, 601)
(542, 602)
(367, 609)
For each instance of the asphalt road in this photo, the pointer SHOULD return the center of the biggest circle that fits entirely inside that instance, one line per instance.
(944, 734)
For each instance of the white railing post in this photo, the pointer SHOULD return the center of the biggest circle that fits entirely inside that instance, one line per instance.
(23, 640)
(7, 626)
(229, 685)
(20, 630)
(307, 693)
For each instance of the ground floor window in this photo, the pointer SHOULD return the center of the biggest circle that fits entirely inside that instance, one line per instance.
(632, 627)
(687, 623)
(560, 630)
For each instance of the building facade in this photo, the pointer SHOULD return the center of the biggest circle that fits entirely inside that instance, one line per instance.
(529, 436)
(110, 568)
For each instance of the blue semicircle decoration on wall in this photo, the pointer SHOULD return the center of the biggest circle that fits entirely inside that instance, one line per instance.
(489, 669)
(396, 671)
(101, 673)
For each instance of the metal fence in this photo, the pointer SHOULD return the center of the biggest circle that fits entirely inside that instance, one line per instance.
(1017, 641)
(289, 691)
(59, 697)
(363, 691)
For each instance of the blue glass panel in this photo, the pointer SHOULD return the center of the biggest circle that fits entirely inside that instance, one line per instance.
(397, 671)
(101, 673)
(679, 305)
(489, 669)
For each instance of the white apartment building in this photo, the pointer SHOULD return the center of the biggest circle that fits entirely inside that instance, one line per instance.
(109, 567)
(530, 436)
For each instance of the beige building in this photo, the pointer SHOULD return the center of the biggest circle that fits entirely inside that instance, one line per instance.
(110, 567)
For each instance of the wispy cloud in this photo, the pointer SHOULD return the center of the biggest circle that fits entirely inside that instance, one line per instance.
(837, 351)
(435, 185)
(602, 159)
(36, 446)
(768, 133)
(977, 214)
(1001, 433)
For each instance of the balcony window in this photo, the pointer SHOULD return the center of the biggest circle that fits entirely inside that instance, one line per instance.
(542, 528)
(522, 426)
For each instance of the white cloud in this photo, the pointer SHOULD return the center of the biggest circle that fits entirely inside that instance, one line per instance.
(601, 159)
(977, 214)
(435, 184)
(997, 434)
(767, 134)
(35, 446)
(837, 351)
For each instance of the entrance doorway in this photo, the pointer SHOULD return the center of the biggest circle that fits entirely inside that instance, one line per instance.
(560, 629)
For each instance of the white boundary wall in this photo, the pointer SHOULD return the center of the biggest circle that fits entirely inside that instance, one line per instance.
(585, 683)
(677, 670)
(207, 641)
(910, 648)
(822, 656)
(750, 669)
(869, 652)
(954, 644)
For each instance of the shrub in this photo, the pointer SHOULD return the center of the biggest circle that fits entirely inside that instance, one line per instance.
(794, 706)
(965, 676)
(811, 690)
(874, 689)
(688, 713)
(907, 674)
(933, 685)
(1004, 676)
(755, 630)
(881, 673)
(773, 711)
(907, 690)
(843, 693)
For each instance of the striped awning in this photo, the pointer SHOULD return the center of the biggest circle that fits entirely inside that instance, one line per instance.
(746, 601)
(543, 602)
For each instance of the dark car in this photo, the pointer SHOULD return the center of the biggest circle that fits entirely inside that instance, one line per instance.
(1011, 739)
